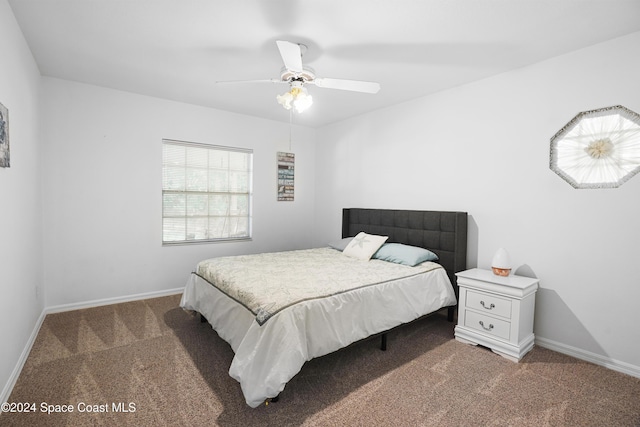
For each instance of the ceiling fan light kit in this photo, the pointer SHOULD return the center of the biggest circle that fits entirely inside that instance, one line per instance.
(298, 76)
(297, 97)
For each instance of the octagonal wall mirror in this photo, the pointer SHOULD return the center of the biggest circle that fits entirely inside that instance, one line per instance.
(598, 148)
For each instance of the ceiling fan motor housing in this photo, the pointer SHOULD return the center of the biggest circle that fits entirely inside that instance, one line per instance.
(305, 76)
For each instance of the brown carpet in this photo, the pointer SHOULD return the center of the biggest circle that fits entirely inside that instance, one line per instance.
(174, 371)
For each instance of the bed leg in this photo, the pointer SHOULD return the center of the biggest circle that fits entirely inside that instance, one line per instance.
(203, 319)
(450, 311)
(271, 400)
(383, 342)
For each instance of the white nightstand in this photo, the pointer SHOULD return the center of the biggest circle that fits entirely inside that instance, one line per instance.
(496, 312)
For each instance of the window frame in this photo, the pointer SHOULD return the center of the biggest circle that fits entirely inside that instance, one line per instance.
(209, 192)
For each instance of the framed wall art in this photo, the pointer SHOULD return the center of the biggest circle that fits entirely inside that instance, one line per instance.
(286, 176)
(598, 148)
(4, 136)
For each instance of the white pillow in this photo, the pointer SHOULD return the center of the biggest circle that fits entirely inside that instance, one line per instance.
(364, 245)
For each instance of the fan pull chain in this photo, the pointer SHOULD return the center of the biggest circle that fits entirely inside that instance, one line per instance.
(290, 127)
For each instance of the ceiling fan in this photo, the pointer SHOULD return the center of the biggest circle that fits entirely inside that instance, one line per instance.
(297, 76)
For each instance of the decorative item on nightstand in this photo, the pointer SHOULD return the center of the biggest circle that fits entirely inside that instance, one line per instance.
(501, 264)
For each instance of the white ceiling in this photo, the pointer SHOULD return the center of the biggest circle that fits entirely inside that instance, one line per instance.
(178, 49)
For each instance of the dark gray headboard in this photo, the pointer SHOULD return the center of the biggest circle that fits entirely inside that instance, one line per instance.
(444, 233)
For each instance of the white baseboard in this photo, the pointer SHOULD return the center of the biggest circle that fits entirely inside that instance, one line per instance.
(109, 301)
(6, 392)
(598, 359)
(8, 388)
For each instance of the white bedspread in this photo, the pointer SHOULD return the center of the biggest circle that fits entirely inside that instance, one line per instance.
(267, 283)
(273, 337)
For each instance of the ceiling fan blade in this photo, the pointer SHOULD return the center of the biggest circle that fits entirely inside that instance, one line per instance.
(251, 81)
(291, 55)
(353, 85)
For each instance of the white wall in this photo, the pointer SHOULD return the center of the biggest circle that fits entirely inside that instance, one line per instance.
(484, 148)
(20, 205)
(102, 191)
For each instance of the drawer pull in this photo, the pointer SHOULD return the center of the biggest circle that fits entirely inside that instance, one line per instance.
(492, 306)
(485, 328)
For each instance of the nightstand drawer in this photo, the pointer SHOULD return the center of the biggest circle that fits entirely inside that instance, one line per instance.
(487, 324)
(489, 303)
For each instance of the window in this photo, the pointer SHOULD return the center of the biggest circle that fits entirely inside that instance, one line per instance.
(206, 192)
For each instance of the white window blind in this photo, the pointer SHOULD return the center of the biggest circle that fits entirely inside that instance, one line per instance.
(206, 192)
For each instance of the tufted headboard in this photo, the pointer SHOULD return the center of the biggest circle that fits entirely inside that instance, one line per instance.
(444, 233)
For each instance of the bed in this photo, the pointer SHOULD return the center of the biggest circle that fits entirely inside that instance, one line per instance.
(274, 329)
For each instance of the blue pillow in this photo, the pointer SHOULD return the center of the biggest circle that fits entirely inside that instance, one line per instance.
(341, 244)
(404, 254)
